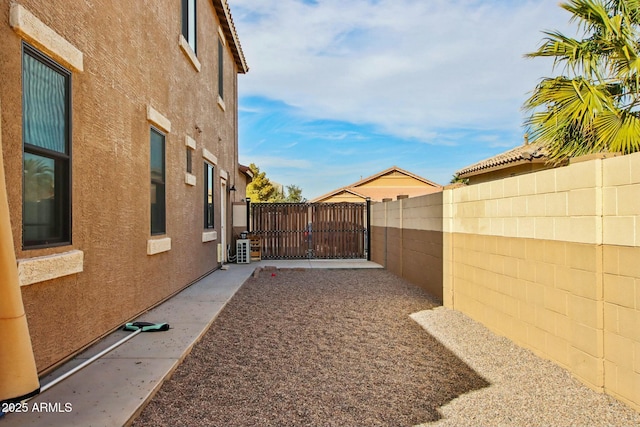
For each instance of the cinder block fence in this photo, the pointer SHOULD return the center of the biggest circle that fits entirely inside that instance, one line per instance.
(550, 260)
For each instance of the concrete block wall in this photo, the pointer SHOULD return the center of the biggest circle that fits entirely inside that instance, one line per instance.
(548, 259)
(558, 204)
(621, 276)
(543, 294)
(527, 263)
(407, 239)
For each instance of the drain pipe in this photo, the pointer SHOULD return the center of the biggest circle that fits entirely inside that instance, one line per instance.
(18, 372)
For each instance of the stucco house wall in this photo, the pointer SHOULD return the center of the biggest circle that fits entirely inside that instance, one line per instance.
(390, 184)
(131, 70)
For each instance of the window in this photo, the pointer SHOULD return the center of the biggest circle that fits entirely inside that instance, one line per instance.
(189, 160)
(208, 196)
(220, 69)
(158, 209)
(189, 22)
(46, 131)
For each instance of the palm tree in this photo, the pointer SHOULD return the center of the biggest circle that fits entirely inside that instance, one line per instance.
(38, 180)
(596, 106)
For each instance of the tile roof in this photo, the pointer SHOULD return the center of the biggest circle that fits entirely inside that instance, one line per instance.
(229, 29)
(527, 153)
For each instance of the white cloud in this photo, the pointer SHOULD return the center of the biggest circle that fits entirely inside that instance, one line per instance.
(411, 67)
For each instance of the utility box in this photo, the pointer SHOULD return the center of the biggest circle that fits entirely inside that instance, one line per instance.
(243, 251)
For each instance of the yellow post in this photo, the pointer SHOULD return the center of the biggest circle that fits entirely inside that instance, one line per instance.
(18, 372)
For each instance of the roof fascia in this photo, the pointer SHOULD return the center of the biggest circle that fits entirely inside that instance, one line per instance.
(228, 28)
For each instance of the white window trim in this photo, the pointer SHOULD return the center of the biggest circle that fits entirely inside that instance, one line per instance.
(45, 38)
(190, 142)
(189, 53)
(209, 156)
(40, 269)
(158, 119)
(209, 236)
(156, 246)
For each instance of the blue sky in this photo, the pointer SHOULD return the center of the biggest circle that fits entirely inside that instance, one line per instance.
(342, 89)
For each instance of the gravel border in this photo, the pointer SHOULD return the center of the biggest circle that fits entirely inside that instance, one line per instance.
(525, 390)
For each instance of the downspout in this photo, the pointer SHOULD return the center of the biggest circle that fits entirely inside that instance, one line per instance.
(18, 372)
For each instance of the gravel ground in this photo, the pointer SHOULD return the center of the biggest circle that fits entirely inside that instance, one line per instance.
(525, 389)
(340, 348)
(315, 348)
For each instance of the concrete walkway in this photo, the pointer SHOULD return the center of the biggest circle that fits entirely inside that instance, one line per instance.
(112, 390)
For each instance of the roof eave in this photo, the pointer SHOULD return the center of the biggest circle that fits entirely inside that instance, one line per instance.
(229, 30)
(245, 170)
(336, 192)
(391, 169)
(500, 166)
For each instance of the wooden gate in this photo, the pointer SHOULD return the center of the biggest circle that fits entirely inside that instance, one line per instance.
(311, 230)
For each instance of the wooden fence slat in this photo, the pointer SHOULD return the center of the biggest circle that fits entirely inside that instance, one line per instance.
(310, 230)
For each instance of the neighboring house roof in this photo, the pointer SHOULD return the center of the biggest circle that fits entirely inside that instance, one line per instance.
(245, 170)
(340, 191)
(527, 153)
(229, 29)
(367, 188)
(390, 170)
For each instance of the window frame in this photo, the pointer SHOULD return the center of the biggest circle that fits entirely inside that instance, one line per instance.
(209, 185)
(189, 165)
(220, 69)
(189, 12)
(162, 182)
(62, 161)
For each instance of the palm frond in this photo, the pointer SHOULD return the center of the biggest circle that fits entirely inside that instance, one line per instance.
(592, 15)
(618, 131)
(597, 107)
(630, 9)
(575, 99)
(579, 56)
(564, 115)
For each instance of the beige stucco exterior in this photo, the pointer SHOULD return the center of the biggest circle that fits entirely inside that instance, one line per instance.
(548, 259)
(345, 196)
(129, 72)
